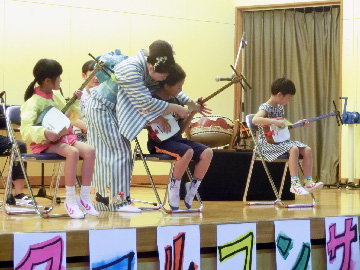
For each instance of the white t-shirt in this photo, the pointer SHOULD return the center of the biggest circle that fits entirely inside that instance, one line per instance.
(83, 101)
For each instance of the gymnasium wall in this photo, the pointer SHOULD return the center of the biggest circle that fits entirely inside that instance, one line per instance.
(202, 32)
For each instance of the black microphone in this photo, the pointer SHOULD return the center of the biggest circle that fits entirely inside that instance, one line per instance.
(219, 79)
(2, 94)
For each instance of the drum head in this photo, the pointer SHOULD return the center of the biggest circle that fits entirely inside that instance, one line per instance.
(211, 139)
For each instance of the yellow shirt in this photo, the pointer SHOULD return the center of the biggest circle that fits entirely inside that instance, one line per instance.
(33, 107)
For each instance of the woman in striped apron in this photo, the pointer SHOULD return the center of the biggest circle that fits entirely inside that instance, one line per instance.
(116, 113)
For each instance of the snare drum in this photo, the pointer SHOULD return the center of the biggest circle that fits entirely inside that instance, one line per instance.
(212, 130)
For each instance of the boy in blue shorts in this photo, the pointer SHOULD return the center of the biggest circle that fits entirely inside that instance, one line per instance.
(182, 149)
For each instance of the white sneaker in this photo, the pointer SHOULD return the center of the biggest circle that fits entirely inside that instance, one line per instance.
(22, 199)
(73, 210)
(174, 194)
(188, 198)
(312, 186)
(128, 208)
(298, 189)
(88, 207)
(191, 190)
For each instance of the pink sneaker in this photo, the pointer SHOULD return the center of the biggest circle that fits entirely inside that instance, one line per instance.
(88, 207)
(312, 186)
(298, 189)
(73, 210)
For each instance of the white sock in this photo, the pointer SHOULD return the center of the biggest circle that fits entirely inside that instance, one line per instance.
(194, 185)
(85, 193)
(174, 193)
(70, 195)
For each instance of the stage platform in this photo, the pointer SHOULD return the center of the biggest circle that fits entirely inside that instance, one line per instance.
(330, 202)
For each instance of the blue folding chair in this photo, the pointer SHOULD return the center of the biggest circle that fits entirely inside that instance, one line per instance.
(139, 155)
(12, 115)
(257, 156)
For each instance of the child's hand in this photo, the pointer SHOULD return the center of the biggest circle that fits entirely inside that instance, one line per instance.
(279, 123)
(163, 123)
(202, 109)
(304, 121)
(182, 112)
(51, 135)
(78, 94)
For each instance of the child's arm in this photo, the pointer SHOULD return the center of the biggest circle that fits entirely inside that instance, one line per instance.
(29, 113)
(80, 124)
(186, 123)
(261, 119)
(165, 126)
(74, 112)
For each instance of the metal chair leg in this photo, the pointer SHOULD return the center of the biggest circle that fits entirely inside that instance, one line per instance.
(162, 203)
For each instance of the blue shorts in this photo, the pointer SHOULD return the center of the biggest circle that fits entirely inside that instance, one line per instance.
(176, 146)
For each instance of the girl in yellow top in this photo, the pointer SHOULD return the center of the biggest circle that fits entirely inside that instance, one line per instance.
(47, 76)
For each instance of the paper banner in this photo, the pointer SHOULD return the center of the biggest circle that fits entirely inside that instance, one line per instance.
(39, 251)
(293, 247)
(342, 243)
(113, 249)
(179, 247)
(236, 246)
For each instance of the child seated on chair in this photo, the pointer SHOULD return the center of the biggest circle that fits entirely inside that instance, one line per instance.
(282, 90)
(182, 149)
(47, 76)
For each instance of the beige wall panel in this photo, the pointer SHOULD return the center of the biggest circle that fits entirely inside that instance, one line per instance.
(146, 29)
(210, 54)
(244, 3)
(275, 2)
(239, 3)
(167, 8)
(302, 1)
(348, 9)
(356, 67)
(357, 102)
(49, 2)
(2, 22)
(109, 5)
(32, 32)
(348, 63)
(356, 151)
(357, 50)
(357, 9)
(89, 34)
(344, 152)
(348, 83)
(211, 10)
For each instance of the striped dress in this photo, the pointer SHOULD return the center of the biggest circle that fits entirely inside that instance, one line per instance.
(116, 112)
(273, 151)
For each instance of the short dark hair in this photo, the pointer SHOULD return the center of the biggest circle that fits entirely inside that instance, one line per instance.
(161, 56)
(176, 74)
(89, 65)
(284, 86)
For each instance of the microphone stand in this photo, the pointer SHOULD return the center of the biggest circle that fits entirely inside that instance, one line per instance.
(236, 138)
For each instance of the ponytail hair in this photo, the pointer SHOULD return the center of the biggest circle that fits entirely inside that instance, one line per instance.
(44, 68)
(161, 56)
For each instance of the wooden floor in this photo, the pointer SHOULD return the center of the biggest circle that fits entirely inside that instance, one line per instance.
(330, 202)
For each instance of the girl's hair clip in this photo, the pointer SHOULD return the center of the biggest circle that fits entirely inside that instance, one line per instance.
(159, 60)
